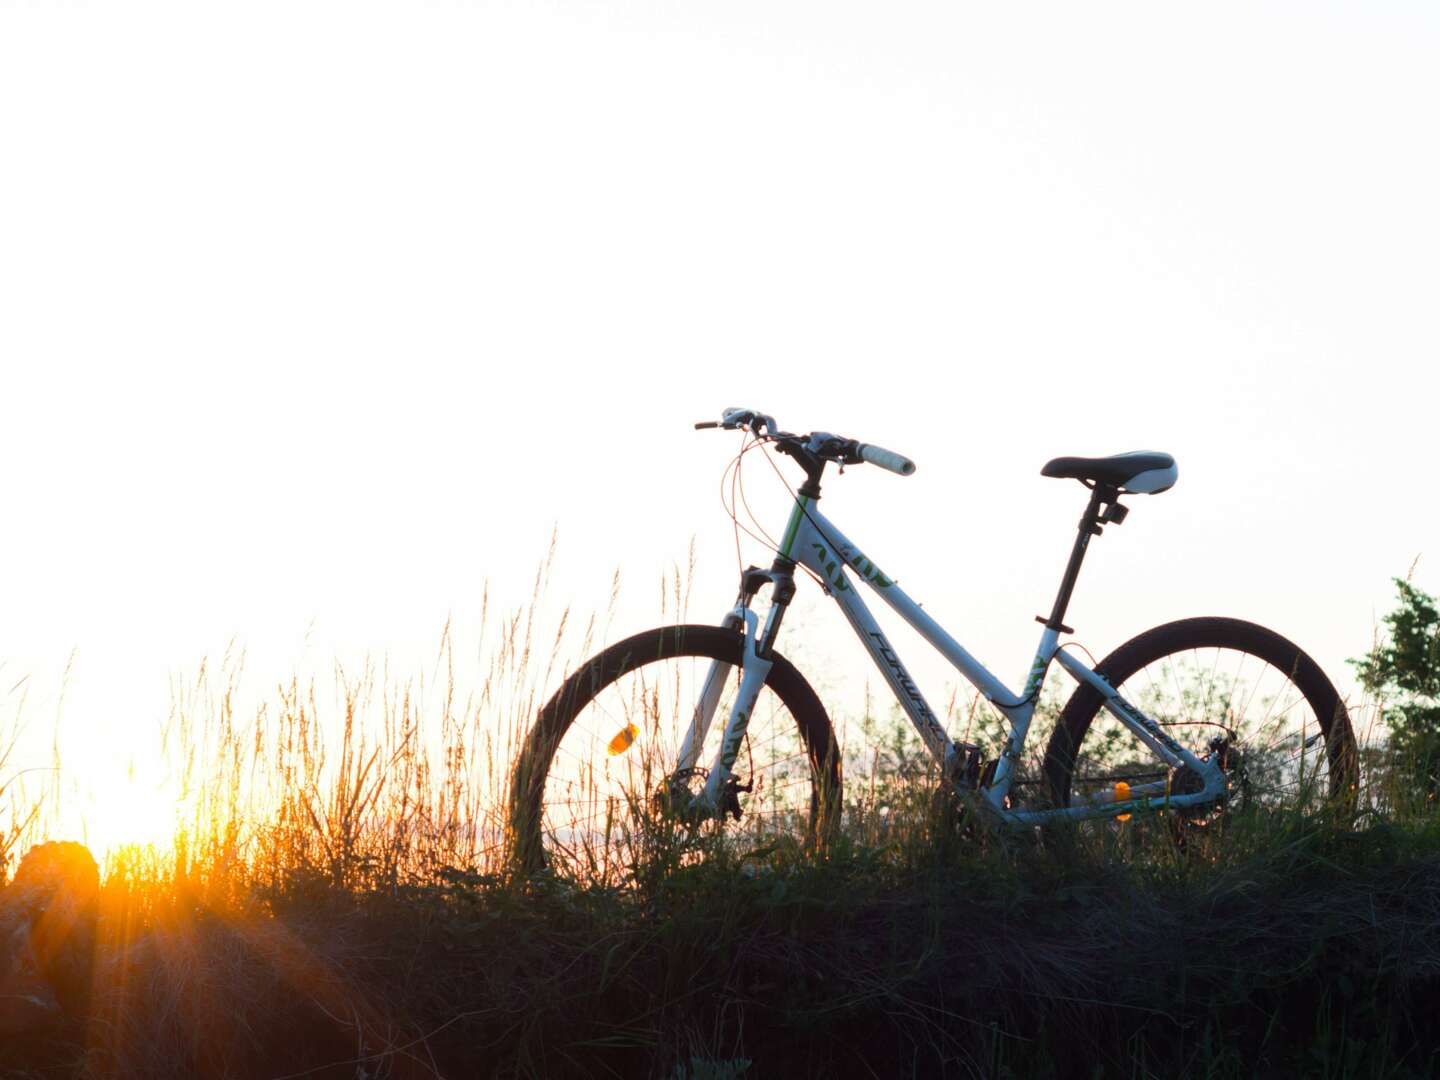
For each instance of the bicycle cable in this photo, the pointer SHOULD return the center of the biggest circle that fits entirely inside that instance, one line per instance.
(1076, 645)
(754, 520)
(724, 478)
(732, 478)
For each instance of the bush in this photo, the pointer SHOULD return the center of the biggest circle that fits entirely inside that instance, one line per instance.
(1405, 672)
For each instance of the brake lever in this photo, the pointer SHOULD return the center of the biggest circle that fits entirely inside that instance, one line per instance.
(757, 422)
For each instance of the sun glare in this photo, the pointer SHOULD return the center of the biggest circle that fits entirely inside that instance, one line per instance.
(130, 809)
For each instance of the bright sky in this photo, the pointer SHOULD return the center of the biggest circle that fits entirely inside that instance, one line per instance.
(315, 317)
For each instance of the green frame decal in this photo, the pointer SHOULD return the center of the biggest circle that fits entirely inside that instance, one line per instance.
(797, 512)
(867, 570)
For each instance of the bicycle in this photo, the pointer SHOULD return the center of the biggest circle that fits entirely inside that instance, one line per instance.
(620, 748)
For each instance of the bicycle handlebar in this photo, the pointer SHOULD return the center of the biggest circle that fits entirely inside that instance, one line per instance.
(820, 443)
(886, 459)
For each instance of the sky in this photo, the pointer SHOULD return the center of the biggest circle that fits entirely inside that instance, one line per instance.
(318, 320)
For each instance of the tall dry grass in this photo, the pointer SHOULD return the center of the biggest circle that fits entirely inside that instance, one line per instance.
(29, 792)
(369, 779)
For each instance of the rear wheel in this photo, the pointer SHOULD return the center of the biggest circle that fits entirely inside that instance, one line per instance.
(1219, 687)
(595, 791)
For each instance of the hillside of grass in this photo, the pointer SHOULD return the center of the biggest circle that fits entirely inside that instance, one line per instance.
(336, 902)
(1313, 950)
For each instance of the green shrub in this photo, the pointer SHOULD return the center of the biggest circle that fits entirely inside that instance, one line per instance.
(1404, 671)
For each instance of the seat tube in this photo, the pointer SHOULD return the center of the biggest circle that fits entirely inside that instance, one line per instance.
(1089, 526)
(1021, 715)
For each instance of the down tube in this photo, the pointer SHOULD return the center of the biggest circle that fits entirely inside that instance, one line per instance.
(901, 684)
(827, 551)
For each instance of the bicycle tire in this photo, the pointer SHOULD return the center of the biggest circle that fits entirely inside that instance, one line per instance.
(1278, 773)
(599, 702)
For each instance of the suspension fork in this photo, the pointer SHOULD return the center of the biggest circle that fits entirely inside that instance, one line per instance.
(756, 660)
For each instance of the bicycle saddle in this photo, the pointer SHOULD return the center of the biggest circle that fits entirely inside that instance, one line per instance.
(1142, 472)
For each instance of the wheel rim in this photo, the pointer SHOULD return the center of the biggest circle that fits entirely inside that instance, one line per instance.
(600, 816)
(1226, 702)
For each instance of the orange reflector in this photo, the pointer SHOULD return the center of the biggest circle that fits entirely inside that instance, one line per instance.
(622, 740)
(1122, 793)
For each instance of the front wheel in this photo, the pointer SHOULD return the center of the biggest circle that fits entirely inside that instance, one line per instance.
(596, 790)
(1223, 689)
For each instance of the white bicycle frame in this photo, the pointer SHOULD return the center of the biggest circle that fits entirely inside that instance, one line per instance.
(814, 541)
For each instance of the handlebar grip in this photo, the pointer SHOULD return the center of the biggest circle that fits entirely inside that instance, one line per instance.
(886, 459)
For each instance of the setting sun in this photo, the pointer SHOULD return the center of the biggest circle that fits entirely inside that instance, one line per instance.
(135, 807)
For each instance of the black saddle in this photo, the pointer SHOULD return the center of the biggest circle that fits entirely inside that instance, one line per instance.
(1140, 471)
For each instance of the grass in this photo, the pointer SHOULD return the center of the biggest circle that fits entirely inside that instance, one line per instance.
(1314, 953)
(336, 902)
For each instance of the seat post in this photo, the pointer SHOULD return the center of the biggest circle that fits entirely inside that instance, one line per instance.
(1090, 525)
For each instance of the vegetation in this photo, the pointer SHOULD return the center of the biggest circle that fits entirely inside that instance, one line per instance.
(1405, 670)
(336, 903)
